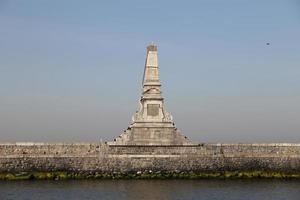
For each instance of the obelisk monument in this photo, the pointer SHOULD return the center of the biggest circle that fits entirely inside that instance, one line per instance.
(151, 124)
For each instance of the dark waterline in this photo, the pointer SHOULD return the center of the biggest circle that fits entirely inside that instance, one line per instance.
(257, 189)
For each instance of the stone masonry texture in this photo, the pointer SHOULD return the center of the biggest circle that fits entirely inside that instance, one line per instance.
(30, 157)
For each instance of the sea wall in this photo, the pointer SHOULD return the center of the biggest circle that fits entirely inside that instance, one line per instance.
(41, 157)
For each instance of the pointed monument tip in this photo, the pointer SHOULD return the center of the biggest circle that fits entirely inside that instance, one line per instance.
(152, 47)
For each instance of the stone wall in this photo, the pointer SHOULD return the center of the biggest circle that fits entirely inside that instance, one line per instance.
(27, 157)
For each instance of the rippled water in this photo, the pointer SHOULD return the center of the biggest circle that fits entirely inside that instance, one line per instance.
(151, 189)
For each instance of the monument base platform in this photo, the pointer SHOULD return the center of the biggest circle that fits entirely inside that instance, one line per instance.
(151, 134)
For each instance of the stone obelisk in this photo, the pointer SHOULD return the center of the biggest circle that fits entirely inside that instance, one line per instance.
(151, 124)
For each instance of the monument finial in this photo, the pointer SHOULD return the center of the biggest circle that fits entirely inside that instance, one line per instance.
(151, 47)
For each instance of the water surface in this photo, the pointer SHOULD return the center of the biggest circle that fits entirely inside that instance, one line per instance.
(151, 189)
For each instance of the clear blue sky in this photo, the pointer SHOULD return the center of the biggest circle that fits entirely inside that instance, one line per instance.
(72, 70)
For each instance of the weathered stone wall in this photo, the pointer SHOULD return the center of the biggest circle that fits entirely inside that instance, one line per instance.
(104, 158)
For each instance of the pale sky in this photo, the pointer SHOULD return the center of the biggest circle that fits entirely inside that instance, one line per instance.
(72, 70)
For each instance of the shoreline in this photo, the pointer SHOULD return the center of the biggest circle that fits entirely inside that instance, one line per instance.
(63, 175)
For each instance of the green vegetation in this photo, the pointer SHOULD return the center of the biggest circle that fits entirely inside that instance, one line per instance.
(144, 175)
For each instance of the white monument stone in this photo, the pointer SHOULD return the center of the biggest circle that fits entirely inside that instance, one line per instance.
(151, 124)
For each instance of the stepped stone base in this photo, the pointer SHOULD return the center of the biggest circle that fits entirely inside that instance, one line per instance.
(146, 135)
